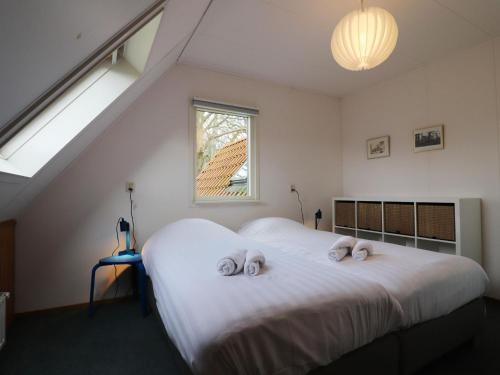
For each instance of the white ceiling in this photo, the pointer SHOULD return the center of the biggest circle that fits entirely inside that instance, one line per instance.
(288, 41)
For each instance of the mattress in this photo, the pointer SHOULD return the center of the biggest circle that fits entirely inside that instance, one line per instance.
(426, 284)
(295, 316)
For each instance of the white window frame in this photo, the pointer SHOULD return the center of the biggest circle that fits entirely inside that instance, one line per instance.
(252, 157)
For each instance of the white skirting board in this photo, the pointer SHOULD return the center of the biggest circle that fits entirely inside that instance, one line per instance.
(3, 303)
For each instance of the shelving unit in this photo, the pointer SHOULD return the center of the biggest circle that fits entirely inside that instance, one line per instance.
(448, 225)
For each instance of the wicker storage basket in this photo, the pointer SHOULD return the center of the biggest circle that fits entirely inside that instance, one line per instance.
(370, 216)
(399, 218)
(436, 220)
(345, 214)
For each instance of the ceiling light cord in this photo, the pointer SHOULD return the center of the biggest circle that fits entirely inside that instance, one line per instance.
(194, 31)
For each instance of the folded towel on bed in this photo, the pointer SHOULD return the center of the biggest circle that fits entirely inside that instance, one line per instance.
(338, 254)
(254, 262)
(341, 248)
(361, 250)
(232, 264)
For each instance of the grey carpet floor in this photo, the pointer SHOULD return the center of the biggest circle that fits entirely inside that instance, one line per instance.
(119, 341)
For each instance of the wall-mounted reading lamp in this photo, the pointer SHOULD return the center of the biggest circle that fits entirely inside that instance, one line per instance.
(317, 217)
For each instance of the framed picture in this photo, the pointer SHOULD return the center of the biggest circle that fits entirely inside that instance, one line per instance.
(427, 139)
(378, 147)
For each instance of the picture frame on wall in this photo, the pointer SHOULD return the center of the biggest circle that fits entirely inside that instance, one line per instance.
(427, 139)
(378, 147)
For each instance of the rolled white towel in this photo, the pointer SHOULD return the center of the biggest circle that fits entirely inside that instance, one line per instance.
(232, 264)
(337, 254)
(362, 249)
(254, 262)
(341, 248)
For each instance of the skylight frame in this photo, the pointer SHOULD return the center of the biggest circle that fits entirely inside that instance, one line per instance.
(24, 117)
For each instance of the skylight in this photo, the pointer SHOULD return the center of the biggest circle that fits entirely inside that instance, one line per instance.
(40, 139)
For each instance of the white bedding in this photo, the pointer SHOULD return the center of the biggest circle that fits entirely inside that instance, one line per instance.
(293, 317)
(427, 284)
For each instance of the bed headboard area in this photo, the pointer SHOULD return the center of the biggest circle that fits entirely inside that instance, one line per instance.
(449, 225)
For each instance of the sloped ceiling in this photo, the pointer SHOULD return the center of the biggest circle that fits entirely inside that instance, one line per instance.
(288, 41)
(55, 51)
(43, 40)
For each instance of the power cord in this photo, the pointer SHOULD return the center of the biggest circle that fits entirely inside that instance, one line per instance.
(117, 282)
(294, 190)
(132, 217)
(134, 241)
(117, 236)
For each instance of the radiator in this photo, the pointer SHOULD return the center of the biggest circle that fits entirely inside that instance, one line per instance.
(3, 303)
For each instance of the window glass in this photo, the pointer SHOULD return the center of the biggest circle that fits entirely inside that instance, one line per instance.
(223, 155)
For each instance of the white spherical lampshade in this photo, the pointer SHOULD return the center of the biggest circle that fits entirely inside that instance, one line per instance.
(364, 39)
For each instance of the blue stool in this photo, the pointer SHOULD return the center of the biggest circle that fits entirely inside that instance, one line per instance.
(134, 260)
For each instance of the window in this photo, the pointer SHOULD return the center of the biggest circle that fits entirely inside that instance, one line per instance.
(224, 156)
(34, 137)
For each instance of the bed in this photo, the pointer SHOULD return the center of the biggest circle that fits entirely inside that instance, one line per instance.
(295, 317)
(429, 286)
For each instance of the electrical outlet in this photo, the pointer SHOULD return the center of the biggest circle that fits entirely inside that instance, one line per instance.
(130, 186)
(292, 188)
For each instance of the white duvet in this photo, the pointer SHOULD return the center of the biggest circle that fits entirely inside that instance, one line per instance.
(427, 284)
(293, 317)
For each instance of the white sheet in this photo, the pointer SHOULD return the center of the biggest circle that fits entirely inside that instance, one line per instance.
(293, 317)
(427, 284)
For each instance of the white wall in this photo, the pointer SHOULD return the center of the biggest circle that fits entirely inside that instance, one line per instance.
(461, 92)
(70, 225)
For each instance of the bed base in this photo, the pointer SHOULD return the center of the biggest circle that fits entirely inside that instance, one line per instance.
(403, 352)
(421, 344)
(378, 357)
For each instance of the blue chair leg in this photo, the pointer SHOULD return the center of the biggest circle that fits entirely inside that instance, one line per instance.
(92, 285)
(135, 281)
(142, 288)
